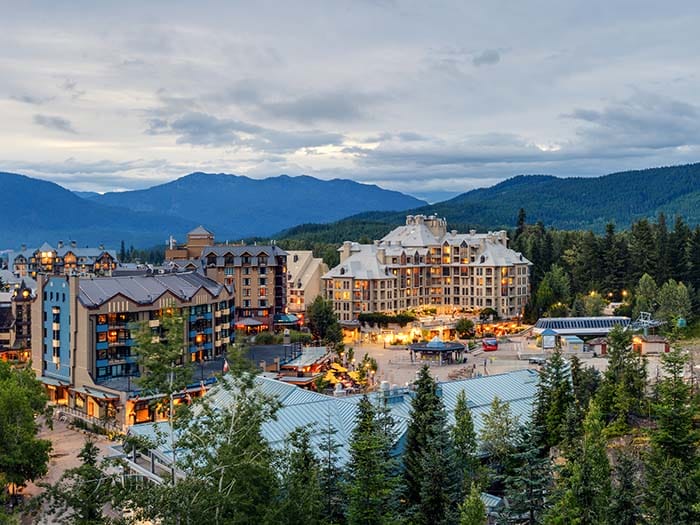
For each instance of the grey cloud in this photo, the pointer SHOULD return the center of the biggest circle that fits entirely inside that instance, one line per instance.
(71, 86)
(202, 129)
(31, 99)
(332, 106)
(54, 123)
(487, 57)
(643, 121)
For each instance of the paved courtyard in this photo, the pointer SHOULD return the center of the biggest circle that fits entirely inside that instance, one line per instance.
(395, 364)
(67, 443)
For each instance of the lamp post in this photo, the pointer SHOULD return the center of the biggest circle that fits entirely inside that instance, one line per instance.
(199, 339)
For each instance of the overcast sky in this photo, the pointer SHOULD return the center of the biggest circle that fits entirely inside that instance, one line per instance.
(429, 98)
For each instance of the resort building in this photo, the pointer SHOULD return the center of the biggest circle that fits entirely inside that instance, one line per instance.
(422, 264)
(258, 274)
(83, 342)
(16, 321)
(304, 273)
(62, 260)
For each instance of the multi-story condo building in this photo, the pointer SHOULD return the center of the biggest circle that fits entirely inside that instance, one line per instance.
(16, 322)
(422, 264)
(304, 272)
(83, 347)
(258, 275)
(62, 260)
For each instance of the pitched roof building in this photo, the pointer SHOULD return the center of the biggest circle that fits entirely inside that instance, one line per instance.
(83, 346)
(422, 264)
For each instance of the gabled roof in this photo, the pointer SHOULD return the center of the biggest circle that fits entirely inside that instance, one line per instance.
(304, 408)
(222, 249)
(362, 264)
(145, 289)
(200, 230)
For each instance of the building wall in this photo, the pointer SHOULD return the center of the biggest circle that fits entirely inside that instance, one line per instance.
(55, 315)
(304, 282)
(96, 346)
(449, 277)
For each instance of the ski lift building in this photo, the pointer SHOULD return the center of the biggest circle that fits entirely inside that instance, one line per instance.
(580, 326)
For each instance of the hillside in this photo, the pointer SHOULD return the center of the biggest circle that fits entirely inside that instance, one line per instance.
(564, 203)
(236, 207)
(34, 211)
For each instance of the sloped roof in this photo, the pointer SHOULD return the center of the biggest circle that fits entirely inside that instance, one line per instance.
(316, 411)
(410, 235)
(200, 230)
(145, 289)
(362, 264)
(497, 254)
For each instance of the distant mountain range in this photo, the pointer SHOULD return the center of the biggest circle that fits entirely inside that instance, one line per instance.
(565, 203)
(236, 207)
(233, 207)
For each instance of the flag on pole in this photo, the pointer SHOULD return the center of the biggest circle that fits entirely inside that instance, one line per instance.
(226, 368)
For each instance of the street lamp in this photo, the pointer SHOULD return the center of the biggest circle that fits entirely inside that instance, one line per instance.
(199, 339)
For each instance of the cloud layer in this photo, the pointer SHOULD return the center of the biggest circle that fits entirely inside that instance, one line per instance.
(428, 101)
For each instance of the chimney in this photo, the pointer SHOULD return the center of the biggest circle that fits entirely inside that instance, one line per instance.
(23, 247)
(73, 244)
(60, 244)
(345, 250)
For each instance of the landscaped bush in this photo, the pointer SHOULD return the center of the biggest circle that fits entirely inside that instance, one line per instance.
(380, 319)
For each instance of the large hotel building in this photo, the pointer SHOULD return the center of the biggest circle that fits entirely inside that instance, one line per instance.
(83, 346)
(423, 264)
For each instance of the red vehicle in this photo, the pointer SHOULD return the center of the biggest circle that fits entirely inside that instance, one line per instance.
(489, 344)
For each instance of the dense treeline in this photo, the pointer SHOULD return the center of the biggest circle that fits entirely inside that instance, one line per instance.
(575, 272)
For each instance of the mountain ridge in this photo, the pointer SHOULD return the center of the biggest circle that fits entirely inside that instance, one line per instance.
(568, 203)
(232, 206)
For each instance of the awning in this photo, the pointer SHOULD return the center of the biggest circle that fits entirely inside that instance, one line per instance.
(97, 394)
(286, 319)
(249, 321)
(53, 382)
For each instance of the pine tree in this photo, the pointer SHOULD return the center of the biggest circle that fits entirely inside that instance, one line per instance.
(371, 478)
(520, 227)
(300, 491)
(527, 487)
(622, 391)
(672, 463)
(473, 511)
(679, 241)
(643, 250)
(331, 477)
(663, 264)
(554, 397)
(625, 508)
(583, 489)
(498, 435)
(430, 474)
(693, 258)
(585, 382)
(465, 444)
